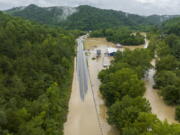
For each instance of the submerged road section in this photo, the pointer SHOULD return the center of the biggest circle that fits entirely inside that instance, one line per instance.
(82, 116)
(82, 68)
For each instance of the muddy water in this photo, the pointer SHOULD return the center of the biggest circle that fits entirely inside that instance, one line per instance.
(88, 116)
(95, 66)
(82, 117)
(93, 43)
(163, 111)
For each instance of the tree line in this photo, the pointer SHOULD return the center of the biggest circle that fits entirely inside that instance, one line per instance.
(36, 65)
(122, 35)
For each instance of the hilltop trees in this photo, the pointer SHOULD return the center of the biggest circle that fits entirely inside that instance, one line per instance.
(36, 65)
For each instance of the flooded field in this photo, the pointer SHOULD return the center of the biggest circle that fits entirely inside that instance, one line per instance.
(162, 110)
(133, 47)
(95, 66)
(92, 43)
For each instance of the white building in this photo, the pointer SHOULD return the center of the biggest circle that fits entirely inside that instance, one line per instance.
(111, 51)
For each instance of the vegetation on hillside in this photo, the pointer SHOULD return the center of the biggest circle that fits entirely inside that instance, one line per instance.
(38, 14)
(172, 26)
(121, 35)
(86, 17)
(36, 65)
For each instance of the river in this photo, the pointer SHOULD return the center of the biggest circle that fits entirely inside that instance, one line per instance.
(162, 110)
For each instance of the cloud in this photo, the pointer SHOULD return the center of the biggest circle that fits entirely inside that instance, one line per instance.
(143, 7)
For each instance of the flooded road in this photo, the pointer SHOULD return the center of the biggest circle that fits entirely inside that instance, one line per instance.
(162, 110)
(87, 112)
(82, 68)
(95, 66)
(82, 117)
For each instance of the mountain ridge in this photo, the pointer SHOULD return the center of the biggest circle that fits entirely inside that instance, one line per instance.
(84, 17)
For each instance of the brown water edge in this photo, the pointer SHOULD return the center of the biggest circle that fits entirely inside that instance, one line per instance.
(95, 66)
(82, 117)
(93, 43)
(162, 110)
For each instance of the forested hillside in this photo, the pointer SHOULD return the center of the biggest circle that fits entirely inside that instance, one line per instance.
(51, 15)
(84, 17)
(36, 65)
(172, 26)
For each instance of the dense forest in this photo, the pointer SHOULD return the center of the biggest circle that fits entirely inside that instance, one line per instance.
(85, 17)
(122, 35)
(36, 65)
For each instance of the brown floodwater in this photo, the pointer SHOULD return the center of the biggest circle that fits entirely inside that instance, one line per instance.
(162, 110)
(93, 43)
(95, 66)
(88, 116)
(82, 117)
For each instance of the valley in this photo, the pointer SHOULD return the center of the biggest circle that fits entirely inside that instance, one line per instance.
(78, 69)
(87, 111)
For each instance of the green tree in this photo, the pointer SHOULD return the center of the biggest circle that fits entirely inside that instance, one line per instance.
(123, 113)
(178, 113)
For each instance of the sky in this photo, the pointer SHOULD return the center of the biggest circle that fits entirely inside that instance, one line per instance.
(141, 7)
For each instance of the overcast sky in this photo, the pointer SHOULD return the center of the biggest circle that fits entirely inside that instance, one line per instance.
(142, 7)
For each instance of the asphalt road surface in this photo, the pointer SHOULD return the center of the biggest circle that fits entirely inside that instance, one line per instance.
(82, 68)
